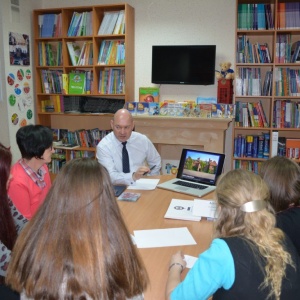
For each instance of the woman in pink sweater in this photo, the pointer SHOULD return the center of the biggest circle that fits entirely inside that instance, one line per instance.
(31, 180)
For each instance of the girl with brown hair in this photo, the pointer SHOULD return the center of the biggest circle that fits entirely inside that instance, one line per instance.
(77, 245)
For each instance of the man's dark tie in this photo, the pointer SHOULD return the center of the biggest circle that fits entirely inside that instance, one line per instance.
(125, 159)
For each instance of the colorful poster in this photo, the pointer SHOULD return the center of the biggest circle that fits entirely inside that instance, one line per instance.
(19, 49)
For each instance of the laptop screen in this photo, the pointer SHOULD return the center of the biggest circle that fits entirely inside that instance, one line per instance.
(200, 166)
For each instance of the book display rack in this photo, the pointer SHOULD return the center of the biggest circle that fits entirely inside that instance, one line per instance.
(267, 84)
(68, 40)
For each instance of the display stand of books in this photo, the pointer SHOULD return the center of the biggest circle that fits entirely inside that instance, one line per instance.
(67, 46)
(266, 85)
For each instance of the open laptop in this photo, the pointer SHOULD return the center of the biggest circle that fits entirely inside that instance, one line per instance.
(197, 173)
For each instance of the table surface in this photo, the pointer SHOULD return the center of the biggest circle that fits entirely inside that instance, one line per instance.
(148, 213)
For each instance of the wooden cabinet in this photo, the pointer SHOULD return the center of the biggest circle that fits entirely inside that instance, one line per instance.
(57, 61)
(266, 76)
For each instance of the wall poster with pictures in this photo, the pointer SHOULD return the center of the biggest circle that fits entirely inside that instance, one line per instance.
(19, 49)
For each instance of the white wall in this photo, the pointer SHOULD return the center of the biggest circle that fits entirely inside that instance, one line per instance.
(165, 22)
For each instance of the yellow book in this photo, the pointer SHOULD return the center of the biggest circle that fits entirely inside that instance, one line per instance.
(65, 80)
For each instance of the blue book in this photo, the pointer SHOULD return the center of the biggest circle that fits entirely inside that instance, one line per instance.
(266, 153)
(261, 19)
(255, 146)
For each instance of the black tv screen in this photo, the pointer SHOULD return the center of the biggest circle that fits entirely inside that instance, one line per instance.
(189, 64)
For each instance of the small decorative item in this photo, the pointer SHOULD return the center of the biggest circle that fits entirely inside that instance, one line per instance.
(225, 72)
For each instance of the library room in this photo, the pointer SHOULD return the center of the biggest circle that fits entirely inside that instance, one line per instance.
(168, 114)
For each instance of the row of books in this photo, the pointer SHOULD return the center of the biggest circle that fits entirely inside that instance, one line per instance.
(181, 109)
(81, 24)
(112, 81)
(254, 146)
(252, 166)
(82, 137)
(112, 52)
(50, 25)
(55, 165)
(113, 23)
(250, 114)
(292, 147)
(55, 103)
(81, 54)
(248, 52)
(283, 48)
(255, 16)
(287, 82)
(51, 81)
(57, 82)
(248, 82)
(50, 54)
(286, 50)
(286, 114)
(288, 15)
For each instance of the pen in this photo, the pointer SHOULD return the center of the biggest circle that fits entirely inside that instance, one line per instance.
(150, 169)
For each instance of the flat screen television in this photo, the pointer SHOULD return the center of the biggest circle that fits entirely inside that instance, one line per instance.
(183, 64)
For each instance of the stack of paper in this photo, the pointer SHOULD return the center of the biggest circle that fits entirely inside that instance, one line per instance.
(191, 210)
(181, 210)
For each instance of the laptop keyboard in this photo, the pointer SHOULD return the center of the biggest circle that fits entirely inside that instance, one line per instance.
(191, 185)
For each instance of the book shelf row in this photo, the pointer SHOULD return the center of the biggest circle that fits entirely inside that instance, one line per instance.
(60, 157)
(252, 166)
(81, 54)
(181, 109)
(50, 53)
(258, 146)
(50, 25)
(259, 16)
(76, 82)
(287, 82)
(286, 114)
(249, 82)
(81, 24)
(249, 52)
(250, 114)
(255, 16)
(112, 81)
(112, 52)
(85, 138)
(253, 146)
(113, 23)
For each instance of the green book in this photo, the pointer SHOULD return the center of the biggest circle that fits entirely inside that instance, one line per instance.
(76, 83)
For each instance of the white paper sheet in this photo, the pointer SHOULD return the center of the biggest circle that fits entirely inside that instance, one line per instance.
(205, 208)
(144, 184)
(163, 237)
(190, 261)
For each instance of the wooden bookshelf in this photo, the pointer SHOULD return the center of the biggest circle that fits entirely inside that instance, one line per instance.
(253, 30)
(59, 39)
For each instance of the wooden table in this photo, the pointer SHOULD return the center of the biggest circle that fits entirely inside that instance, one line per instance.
(148, 213)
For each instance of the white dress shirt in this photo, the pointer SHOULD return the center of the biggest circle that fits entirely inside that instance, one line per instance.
(141, 152)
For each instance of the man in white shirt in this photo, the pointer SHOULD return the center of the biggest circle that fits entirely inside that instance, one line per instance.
(142, 153)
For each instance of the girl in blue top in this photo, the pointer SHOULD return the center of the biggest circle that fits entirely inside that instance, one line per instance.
(249, 258)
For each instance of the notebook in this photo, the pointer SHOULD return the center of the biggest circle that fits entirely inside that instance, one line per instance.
(197, 173)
